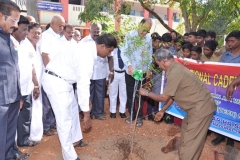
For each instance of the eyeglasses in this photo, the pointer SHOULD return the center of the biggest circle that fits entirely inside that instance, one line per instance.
(14, 20)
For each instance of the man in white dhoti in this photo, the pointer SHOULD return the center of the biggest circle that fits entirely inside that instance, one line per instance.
(69, 66)
(32, 46)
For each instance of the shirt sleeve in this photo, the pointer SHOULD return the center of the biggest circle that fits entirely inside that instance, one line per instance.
(123, 49)
(172, 84)
(84, 73)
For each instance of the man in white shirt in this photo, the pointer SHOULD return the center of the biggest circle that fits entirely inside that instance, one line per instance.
(29, 84)
(77, 36)
(20, 33)
(118, 84)
(68, 32)
(31, 19)
(49, 47)
(26, 70)
(31, 45)
(69, 66)
(100, 73)
(136, 54)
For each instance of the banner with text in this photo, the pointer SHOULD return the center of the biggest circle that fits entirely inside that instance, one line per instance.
(216, 77)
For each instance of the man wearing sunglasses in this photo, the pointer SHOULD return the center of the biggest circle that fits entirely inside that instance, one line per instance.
(10, 94)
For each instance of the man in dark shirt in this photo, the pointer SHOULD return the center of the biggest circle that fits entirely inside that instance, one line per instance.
(9, 83)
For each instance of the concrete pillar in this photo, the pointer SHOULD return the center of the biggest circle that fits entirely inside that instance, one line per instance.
(65, 9)
(170, 17)
(145, 13)
(32, 7)
(86, 32)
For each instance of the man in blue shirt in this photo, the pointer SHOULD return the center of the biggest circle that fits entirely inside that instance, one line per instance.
(232, 56)
(136, 53)
(9, 83)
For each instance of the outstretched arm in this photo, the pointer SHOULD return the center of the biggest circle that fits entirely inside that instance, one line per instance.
(231, 87)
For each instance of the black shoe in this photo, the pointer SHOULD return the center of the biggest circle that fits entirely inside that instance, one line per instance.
(122, 115)
(230, 142)
(218, 140)
(209, 132)
(150, 117)
(113, 115)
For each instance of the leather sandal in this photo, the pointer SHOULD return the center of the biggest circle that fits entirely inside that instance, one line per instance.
(30, 144)
(172, 145)
(50, 132)
(81, 144)
(22, 156)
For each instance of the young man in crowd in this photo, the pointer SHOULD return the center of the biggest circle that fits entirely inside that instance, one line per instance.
(231, 56)
(196, 53)
(201, 34)
(185, 36)
(10, 93)
(187, 47)
(192, 38)
(64, 70)
(208, 51)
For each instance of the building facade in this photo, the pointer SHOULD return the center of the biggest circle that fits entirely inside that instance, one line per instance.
(70, 10)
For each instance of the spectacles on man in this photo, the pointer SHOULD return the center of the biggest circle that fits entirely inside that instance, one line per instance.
(14, 20)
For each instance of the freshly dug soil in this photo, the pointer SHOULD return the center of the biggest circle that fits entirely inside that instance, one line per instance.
(110, 140)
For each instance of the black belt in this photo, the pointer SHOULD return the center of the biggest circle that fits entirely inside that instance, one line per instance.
(119, 71)
(52, 73)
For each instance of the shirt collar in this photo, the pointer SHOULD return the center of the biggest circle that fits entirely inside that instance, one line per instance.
(15, 42)
(170, 67)
(53, 33)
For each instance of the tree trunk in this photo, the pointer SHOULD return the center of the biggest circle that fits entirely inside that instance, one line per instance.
(157, 16)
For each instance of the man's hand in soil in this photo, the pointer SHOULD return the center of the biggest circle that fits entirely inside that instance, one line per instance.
(87, 121)
(159, 116)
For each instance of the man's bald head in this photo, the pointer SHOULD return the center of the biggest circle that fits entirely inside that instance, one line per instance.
(144, 27)
(77, 35)
(57, 24)
(95, 30)
(31, 19)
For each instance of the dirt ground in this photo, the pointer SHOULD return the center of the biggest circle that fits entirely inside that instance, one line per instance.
(110, 140)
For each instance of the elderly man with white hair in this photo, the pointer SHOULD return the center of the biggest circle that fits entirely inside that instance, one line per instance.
(192, 96)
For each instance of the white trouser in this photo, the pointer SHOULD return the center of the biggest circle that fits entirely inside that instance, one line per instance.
(65, 108)
(36, 129)
(118, 82)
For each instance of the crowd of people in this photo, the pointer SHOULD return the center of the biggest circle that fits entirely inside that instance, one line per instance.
(48, 77)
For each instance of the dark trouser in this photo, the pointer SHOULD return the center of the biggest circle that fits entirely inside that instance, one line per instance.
(97, 91)
(8, 127)
(48, 115)
(130, 82)
(24, 121)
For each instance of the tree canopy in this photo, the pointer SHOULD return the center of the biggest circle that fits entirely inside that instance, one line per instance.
(214, 15)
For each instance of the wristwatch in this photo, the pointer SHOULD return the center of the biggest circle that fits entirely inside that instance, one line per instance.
(36, 87)
(147, 93)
